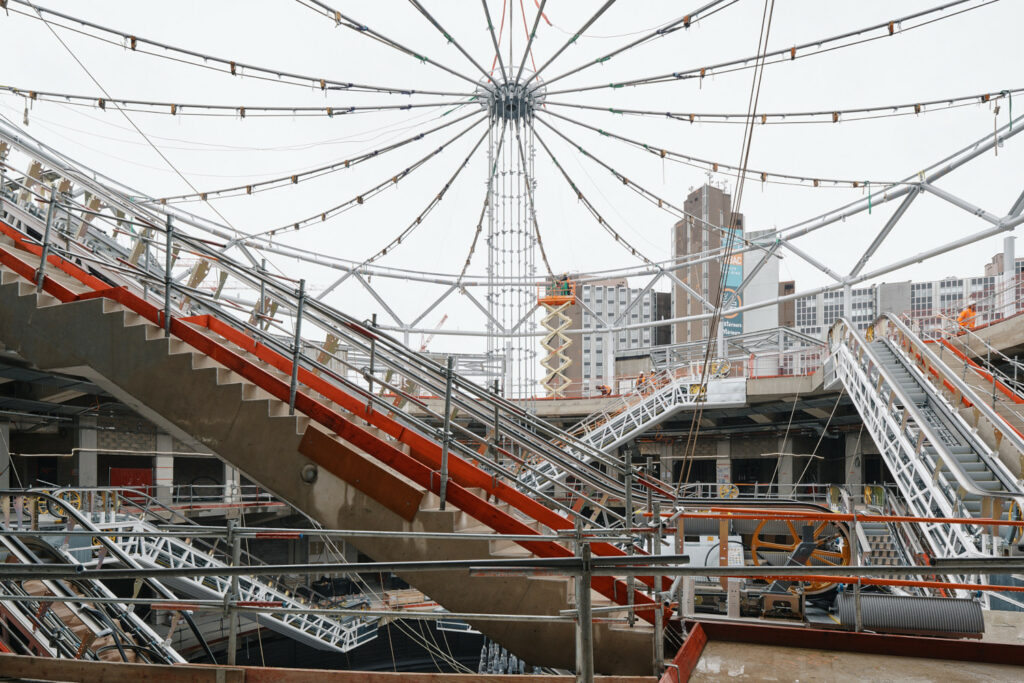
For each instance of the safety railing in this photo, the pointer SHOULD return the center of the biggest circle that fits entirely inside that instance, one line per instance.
(793, 363)
(200, 494)
(1002, 369)
(743, 491)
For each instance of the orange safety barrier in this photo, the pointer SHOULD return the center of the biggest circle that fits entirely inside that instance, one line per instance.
(558, 293)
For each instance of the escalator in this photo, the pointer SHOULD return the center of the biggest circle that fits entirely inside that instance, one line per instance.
(80, 621)
(913, 405)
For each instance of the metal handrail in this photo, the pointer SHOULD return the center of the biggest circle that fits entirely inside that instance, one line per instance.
(155, 506)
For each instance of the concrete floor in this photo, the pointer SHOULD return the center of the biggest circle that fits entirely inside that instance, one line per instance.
(1004, 627)
(743, 662)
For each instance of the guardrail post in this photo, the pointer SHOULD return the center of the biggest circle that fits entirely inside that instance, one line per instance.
(630, 580)
(167, 277)
(648, 471)
(855, 557)
(373, 357)
(991, 372)
(296, 347)
(659, 615)
(41, 273)
(584, 621)
(447, 428)
(261, 307)
(496, 432)
(236, 555)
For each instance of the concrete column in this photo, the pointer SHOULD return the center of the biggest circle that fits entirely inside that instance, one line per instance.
(231, 484)
(86, 453)
(5, 455)
(854, 467)
(163, 468)
(784, 474)
(723, 463)
(665, 459)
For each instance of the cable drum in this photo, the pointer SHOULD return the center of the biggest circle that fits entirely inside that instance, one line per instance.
(912, 614)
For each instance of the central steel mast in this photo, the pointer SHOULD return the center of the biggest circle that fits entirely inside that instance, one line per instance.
(511, 238)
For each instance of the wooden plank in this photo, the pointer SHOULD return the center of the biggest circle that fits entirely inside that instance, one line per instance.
(46, 669)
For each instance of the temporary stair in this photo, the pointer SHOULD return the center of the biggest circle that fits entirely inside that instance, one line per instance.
(942, 465)
(670, 397)
(666, 394)
(346, 457)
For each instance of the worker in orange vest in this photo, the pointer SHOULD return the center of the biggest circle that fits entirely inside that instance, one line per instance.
(967, 317)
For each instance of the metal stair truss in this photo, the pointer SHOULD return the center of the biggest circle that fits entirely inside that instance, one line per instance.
(941, 465)
(316, 630)
(676, 394)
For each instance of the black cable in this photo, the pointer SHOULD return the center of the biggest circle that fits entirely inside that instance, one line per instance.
(231, 67)
(392, 181)
(787, 54)
(293, 178)
(683, 22)
(340, 19)
(575, 37)
(448, 37)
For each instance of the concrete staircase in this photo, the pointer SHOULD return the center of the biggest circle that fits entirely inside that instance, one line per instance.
(342, 471)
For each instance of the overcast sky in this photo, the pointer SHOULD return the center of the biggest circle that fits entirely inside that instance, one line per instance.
(977, 51)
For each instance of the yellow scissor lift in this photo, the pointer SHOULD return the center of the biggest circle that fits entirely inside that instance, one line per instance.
(555, 298)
